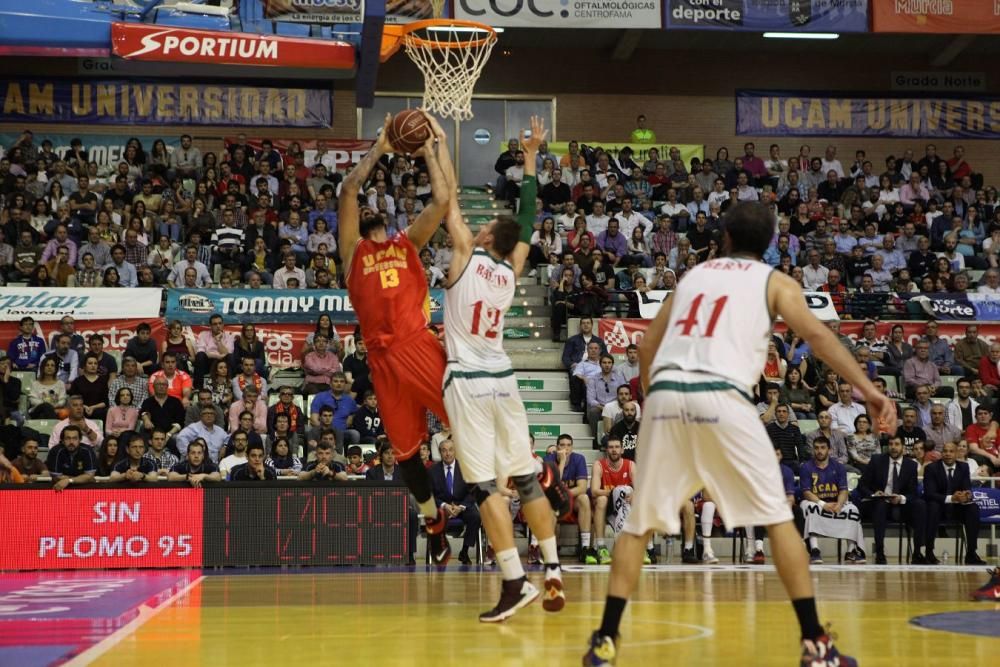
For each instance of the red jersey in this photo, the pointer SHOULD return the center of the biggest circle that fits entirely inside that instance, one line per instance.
(974, 434)
(611, 478)
(388, 289)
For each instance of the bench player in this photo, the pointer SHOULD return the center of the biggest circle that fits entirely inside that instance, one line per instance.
(611, 488)
(387, 286)
(700, 356)
(488, 422)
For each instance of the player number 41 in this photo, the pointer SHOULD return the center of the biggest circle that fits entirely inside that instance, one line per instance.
(690, 321)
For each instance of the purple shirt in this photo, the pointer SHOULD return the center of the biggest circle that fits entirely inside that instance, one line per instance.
(826, 483)
(576, 467)
(616, 244)
(788, 480)
(25, 353)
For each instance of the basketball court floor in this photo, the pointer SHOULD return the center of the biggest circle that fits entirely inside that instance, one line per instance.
(721, 615)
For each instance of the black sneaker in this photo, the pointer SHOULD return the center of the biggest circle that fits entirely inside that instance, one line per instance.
(515, 594)
(437, 539)
(689, 556)
(602, 652)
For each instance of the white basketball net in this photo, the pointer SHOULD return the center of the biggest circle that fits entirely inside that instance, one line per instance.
(450, 71)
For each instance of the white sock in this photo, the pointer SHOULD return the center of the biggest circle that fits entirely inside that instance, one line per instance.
(813, 542)
(534, 540)
(758, 545)
(707, 541)
(510, 565)
(851, 545)
(550, 550)
(585, 540)
(707, 518)
(649, 545)
(600, 542)
(429, 510)
(688, 544)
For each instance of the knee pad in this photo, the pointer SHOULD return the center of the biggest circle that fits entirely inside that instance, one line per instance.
(483, 490)
(555, 490)
(527, 487)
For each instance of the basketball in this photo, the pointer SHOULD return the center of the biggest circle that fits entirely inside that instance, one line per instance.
(408, 131)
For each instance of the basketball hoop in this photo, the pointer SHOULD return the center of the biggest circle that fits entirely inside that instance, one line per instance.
(450, 54)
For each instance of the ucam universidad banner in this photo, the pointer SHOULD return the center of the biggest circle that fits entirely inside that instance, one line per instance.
(121, 102)
(107, 150)
(561, 13)
(764, 15)
(779, 114)
(54, 303)
(979, 17)
(271, 306)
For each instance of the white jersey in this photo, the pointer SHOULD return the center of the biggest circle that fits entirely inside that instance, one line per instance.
(474, 313)
(719, 322)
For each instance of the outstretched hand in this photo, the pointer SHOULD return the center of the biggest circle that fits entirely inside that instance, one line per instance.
(538, 135)
(382, 144)
(436, 128)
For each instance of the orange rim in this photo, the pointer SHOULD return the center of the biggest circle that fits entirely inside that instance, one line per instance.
(393, 36)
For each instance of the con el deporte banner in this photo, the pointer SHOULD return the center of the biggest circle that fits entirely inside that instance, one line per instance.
(605, 14)
(54, 303)
(780, 114)
(271, 306)
(979, 17)
(618, 334)
(971, 307)
(761, 16)
(121, 102)
(340, 153)
(107, 150)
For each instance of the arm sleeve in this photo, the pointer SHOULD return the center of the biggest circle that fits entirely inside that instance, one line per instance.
(526, 212)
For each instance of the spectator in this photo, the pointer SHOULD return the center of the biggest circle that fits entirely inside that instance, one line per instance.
(989, 370)
(130, 379)
(107, 366)
(357, 466)
(786, 435)
(825, 504)
(162, 411)
(67, 361)
(325, 467)
(845, 411)
(142, 349)
(343, 406)
(897, 351)
(247, 345)
(969, 350)
(253, 403)
(923, 405)
(889, 484)
(288, 271)
(207, 430)
(179, 383)
(613, 411)
(948, 490)
(939, 431)
(27, 349)
(767, 408)
(211, 346)
(983, 447)
(920, 371)
(10, 394)
(862, 444)
(202, 276)
(574, 352)
(797, 395)
(134, 467)
(108, 456)
(626, 429)
(163, 459)
(93, 387)
(28, 463)
(602, 389)
(248, 377)
(962, 410)
(836, 440)
(240, 442)
(573, 471)
(196, 468)
(254, 470)
(630, 367)
(47, 394)
(90, 432)
(454, 496)
(319, 365)
(940, 351)
(281, 458)
(367, 421)
(71, 462)
(125, 271)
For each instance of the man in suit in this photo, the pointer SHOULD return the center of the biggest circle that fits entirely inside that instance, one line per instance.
(574, 352)
(388, 471)
(888, 488)
(948, 490)
(455, 497)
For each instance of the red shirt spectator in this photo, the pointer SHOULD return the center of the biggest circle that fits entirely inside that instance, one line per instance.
(988, 371)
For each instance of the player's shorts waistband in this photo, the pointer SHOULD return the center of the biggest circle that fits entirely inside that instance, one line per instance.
(455, 371)
(686, 382)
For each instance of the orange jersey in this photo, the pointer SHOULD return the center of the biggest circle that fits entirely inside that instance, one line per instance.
(613, 478)
(388, 289)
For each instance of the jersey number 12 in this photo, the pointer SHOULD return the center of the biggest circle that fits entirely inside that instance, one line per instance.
(488, 321)
(691, 320)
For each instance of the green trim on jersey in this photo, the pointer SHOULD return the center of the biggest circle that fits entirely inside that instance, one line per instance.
(472, 375)
(695, 387)
(483, 253)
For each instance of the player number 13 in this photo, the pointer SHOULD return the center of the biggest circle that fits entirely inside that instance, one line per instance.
(389, 278)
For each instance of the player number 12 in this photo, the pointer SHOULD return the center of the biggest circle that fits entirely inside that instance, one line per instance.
(491, 322)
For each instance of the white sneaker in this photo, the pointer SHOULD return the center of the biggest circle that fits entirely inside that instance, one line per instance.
(532, 273)
(708, 558)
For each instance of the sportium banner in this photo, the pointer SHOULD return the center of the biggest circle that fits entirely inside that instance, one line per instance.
(980, 17)
(764, 113)
(123, 102)
(761, 15)
(561, 13)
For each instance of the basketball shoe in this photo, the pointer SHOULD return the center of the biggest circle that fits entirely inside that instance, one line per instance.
(990, 591)
(437, 539)
(515, 594)
(554, 599)
(602, 651)
(822, 653)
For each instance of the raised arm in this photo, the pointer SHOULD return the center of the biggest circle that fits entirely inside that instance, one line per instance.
(349, 219)
(423, 228)
(461, 236)
(529, 192)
